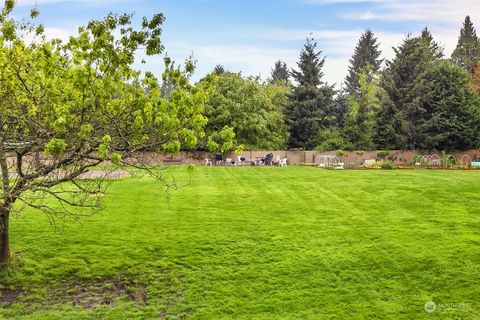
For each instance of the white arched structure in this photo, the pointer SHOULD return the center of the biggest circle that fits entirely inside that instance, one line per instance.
(449, 160)
(466, 160)
(431, 160)
(329, 162)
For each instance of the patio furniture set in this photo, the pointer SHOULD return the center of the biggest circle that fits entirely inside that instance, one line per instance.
(219, 160)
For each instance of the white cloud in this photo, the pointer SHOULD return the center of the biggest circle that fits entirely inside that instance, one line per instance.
(250, 59)
(342, 1)
(254, 50)
(439, 11)
(336, 45)
(58, 33)
(50, 34)
(92, 3)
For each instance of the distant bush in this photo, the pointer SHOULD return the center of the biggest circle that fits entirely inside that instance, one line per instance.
(388, 165)
(330, 139)
(341, 153)
(383, 154)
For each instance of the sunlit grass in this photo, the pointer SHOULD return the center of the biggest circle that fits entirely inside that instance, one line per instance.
(259, 243)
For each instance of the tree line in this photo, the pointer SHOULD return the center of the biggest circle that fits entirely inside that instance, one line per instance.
(419, 100)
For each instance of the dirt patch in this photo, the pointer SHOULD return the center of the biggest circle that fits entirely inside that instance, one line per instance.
(100, 174)
(92, 293)
(86, 294)
(9, 296)
(92, 174)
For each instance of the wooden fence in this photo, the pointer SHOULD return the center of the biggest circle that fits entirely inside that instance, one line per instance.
(294, 157)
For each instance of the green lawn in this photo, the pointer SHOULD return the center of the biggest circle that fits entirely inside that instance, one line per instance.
(258, 243)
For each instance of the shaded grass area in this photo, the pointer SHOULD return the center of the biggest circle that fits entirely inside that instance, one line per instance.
(258, 243)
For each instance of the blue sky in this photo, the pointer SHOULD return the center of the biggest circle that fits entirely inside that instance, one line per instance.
(250, 35)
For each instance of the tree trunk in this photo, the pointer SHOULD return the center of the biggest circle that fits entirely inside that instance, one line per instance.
(4, 241)
(5, 207)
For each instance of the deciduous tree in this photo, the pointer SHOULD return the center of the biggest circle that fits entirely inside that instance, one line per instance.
(67, 107)
(252, 111)
(360, 122)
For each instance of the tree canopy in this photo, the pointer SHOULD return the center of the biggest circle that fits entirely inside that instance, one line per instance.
(67, 107)
(252, 110)
(360, 120)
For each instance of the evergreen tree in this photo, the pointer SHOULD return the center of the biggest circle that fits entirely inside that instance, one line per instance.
(404, 82)
(359, 124)
(167, 86)
(467, 52)
(219, 70)
(452, 110)
(279, 73)
(310, 108)
(366, 52)
(340, 108)
(388, 122)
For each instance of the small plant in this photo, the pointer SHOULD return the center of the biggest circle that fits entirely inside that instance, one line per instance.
(341, 153)
(383, 154)
(360, 153)
(387, 165)
(417, 160)
(448, 160)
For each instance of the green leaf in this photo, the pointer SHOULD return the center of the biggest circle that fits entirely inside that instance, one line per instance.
(116, 158)
(56, 147)
(103, 150)
(106, 139)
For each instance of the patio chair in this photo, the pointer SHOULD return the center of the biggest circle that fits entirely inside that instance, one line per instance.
(208, 161)
(268, 159)
(282, 162)
(229, 161)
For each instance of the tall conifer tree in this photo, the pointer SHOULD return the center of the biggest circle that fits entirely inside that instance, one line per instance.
(404, 82)
(366, 53)
(452, 112)
(279, 73)
(467, 52)
(310, 106)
